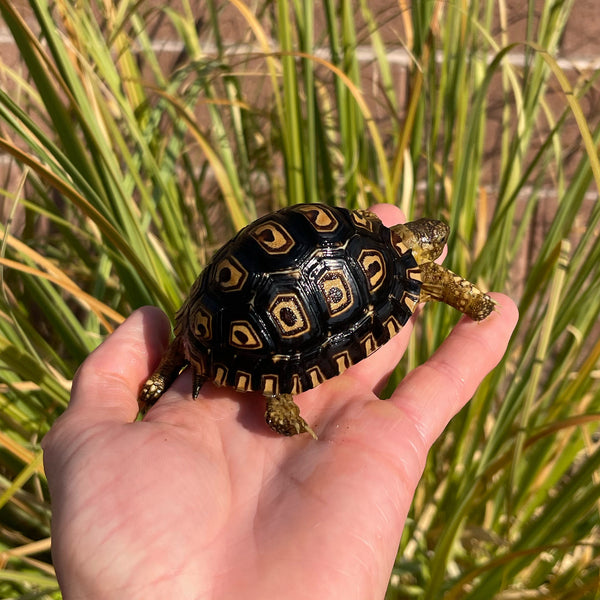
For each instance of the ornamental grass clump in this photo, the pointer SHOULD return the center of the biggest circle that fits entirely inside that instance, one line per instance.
(135, 140)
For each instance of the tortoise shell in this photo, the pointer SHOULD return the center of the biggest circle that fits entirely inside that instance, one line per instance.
(296, 298)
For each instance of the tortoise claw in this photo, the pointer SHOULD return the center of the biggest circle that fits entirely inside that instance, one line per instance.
(197, 383)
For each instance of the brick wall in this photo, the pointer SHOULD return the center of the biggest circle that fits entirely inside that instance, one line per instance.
(579, 52)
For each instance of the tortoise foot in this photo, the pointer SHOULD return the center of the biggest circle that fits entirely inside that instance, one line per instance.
(170, 366)
(283, 416)
(151, 391)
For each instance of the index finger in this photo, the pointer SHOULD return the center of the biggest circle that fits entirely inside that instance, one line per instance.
(436, 390)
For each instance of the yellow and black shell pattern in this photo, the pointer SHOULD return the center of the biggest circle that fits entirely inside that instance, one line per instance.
(296, 298)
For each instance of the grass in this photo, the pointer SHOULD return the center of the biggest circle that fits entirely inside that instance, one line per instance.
(127, 174)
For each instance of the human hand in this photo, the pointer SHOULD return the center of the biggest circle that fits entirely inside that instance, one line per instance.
(202, 500)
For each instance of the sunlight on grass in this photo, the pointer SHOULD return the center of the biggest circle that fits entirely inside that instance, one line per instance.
(134, 165)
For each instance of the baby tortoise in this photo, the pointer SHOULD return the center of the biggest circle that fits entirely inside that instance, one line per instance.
(299, 296)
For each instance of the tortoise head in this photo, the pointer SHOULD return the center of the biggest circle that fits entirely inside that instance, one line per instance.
(425, 237)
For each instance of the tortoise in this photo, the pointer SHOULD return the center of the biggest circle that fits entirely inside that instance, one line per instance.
(300, 295)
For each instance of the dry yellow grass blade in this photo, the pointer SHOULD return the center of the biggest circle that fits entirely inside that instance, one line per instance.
(22, 453)
(25, 551)
(54, 274)
(575, 106)
(35, 466)
(264, 41)
(366, 113)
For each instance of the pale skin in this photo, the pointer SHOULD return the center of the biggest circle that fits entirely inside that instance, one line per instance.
(202, 500)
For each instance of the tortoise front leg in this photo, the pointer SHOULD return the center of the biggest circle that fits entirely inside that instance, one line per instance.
(443, 285)
(283, 416)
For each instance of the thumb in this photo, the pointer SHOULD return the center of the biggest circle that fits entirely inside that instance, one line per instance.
(106, 385)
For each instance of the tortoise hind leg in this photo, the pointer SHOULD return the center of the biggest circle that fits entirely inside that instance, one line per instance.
(171, 364)
(283, 416)
(443, 285)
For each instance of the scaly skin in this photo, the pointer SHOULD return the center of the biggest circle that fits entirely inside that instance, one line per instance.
(283, 416)
(171, 364)
(443, 285)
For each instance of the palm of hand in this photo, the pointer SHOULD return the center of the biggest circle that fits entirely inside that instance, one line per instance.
(202, 500)
(204, 496)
